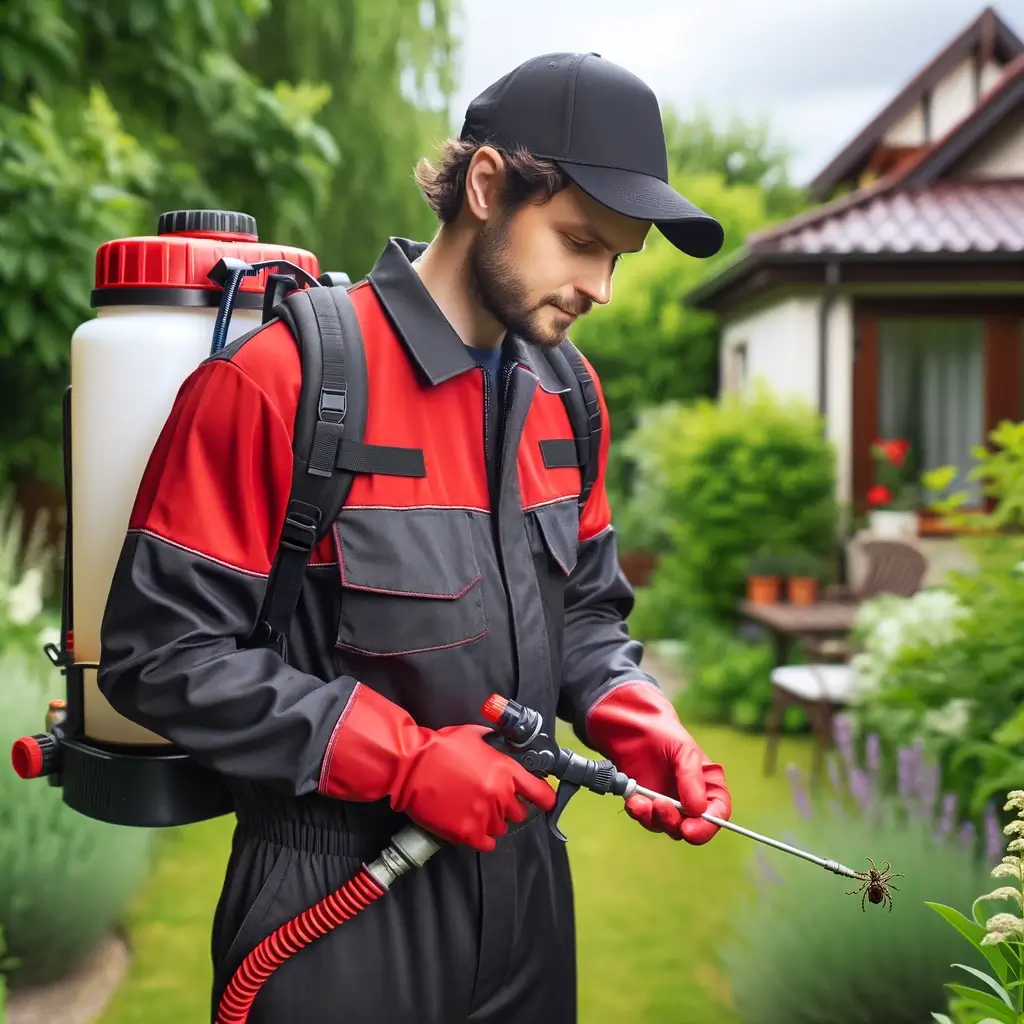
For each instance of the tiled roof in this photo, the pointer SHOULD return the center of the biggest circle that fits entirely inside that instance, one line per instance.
(948, 217)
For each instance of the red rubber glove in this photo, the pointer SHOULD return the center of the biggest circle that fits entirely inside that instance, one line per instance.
(636, 727)
(448, 781)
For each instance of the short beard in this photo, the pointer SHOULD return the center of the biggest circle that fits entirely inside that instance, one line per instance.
(500, 290)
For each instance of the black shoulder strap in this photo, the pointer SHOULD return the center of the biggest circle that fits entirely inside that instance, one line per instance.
(328, 448)
(584, 411)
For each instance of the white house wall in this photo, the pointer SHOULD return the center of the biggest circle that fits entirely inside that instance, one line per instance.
(952, 100)
(1001, 156)
(781, 346)
(907, 131)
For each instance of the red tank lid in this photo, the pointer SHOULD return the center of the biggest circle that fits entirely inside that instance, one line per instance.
(170, 268)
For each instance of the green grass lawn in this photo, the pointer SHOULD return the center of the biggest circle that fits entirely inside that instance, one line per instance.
(649, 910)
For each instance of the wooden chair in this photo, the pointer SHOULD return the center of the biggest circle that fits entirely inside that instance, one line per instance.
(822, 687)
(893, 567)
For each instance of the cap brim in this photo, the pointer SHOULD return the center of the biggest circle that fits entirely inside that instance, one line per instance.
(644, 197)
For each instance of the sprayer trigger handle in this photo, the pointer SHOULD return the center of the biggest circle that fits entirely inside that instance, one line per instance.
(565, 792)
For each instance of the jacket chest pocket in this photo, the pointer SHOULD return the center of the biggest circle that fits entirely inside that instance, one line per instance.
(554, 542)
(410, 581)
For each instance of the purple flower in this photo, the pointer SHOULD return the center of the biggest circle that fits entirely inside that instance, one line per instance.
(948, 813)
(842, 730)
(993, 834)
(803, 805)
(860, 787)
(907, 770)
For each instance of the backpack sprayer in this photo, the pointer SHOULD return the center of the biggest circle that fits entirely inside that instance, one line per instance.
(159, 300)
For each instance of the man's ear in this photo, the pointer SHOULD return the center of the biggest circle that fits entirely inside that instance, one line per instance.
(484, 178)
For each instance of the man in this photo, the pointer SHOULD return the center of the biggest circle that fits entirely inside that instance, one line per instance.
(483, 576)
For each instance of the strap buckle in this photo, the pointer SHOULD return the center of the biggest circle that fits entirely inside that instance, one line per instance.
(299, 530)
(333, 404)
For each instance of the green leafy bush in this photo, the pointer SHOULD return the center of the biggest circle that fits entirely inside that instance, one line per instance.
(65, 879)
(728, 681)
(6, 964)
(728, 479)
(804, 952)
(999, 937)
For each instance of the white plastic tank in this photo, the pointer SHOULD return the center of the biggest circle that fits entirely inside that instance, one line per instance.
(156, 310)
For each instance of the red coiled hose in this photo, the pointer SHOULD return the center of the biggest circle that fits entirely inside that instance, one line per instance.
(355, 895)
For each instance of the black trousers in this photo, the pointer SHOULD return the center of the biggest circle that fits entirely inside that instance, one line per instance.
(469, 938)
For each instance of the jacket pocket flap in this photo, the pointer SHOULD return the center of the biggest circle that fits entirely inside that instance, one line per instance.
(560, 527)
(407, 552)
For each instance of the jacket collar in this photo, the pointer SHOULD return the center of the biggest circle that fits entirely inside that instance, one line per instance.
(428, 337)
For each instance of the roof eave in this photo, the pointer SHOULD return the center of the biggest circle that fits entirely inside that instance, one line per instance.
(707, 294)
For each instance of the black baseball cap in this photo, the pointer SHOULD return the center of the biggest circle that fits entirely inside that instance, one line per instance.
(602, 125)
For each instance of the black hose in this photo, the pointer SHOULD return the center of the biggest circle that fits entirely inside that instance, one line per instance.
(227, 302)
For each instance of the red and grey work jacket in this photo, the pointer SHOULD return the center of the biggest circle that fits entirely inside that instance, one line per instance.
(432, 590)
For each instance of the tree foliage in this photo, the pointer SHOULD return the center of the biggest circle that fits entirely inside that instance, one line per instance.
(112, 111)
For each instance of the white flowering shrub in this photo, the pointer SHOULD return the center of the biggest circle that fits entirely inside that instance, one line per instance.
(889, 626)
(946, 668)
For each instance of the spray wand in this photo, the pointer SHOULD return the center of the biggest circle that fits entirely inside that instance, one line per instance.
(522, 728)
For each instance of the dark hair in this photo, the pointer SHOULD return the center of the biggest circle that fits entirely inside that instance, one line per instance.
(527, 179)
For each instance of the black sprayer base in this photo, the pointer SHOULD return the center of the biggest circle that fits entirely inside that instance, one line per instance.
(149, 789)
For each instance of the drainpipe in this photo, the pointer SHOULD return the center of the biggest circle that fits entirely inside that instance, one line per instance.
(828, 300)
(825, 311)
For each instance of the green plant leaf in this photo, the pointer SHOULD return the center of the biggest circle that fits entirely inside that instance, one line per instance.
(1011, 732)
(974, 934)
(997, 988)
(1001, 1012)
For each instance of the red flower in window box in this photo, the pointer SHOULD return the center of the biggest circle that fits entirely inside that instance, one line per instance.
(894, 486)
(896, 451)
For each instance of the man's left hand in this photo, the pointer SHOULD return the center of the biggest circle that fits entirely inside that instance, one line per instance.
(636, 726)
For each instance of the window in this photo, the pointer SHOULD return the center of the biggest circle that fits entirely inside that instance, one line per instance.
(931, 391)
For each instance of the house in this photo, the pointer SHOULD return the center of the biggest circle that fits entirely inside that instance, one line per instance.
(896, 306)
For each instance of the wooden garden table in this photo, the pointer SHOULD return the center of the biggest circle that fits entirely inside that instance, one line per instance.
(786, 622)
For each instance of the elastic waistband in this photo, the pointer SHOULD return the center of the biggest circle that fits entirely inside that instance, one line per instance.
(315, 824)
(321, 842)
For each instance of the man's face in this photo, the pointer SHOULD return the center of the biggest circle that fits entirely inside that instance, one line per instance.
(540, 269)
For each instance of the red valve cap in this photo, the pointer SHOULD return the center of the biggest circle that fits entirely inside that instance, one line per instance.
(27, 757)
(493, 707)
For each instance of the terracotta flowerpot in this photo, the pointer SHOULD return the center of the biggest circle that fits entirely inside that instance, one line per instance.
(803, 590)
(763, 589)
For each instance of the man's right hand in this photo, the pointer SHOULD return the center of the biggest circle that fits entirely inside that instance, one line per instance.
(449, 781)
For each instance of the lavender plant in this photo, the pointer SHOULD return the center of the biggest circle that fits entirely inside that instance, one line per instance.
(998, 936)
(803, 952)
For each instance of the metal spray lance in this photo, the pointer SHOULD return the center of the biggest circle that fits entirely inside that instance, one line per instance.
(527, 742)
